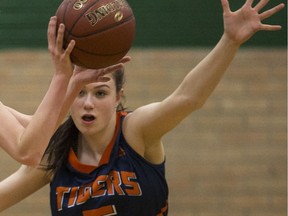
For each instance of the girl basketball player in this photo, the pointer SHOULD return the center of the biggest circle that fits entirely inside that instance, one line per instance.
(105, 161)
(25, 137)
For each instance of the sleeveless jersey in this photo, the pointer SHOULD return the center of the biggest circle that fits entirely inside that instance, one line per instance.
(123, 184)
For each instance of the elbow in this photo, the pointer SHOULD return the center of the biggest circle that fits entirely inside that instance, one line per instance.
(194, 104)
(199, 104)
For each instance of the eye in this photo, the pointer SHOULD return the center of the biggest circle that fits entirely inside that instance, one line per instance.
(100, 94)
(81, 93)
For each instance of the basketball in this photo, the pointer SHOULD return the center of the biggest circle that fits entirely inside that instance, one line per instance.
(103, 30)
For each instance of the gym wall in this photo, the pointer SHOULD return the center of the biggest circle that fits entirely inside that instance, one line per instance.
(23, 24)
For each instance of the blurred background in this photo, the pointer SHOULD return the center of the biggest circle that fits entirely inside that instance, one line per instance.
(230, 157)
(159, 23)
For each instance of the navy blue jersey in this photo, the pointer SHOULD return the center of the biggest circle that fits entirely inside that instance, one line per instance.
(123, 184)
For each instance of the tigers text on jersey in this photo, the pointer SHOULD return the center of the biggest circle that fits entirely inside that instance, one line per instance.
(123, 184)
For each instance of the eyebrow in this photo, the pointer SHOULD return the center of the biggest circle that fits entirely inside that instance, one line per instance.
(102, 85)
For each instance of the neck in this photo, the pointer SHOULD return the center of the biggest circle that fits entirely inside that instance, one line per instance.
(92, 147)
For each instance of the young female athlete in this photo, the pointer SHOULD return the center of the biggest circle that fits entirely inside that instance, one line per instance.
(105, 161)
(25, 137)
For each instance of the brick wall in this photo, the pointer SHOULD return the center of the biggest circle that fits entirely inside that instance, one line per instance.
(229, 158)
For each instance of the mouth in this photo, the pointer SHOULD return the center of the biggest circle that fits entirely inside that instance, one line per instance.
(88, 118)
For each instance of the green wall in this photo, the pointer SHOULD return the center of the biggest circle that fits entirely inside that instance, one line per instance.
(159, 23)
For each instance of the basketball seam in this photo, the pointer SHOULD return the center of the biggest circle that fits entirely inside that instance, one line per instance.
(85, 65)
(98, 54)
(125, 21)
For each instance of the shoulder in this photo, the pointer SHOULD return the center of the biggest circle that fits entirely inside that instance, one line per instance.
(150, 149)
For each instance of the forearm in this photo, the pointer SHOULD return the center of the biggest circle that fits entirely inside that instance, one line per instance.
(21, 118)
(26, 141)
(24, 137)
(203, 79)
(156, 119)
(21, 184)
(10, 130)
(73, 90)
(34, 139)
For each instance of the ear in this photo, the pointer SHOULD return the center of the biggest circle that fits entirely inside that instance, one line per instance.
(119, 95)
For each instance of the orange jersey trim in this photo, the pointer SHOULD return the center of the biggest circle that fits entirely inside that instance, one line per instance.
(85, 168)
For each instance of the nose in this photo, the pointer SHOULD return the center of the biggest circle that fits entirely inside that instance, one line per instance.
(88, 102)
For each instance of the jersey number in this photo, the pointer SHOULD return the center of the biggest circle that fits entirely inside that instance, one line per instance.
(103, 211)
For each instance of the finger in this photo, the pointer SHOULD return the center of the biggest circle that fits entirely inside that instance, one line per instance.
(78, 68)
(90, 77)
(261, 5)
(125, 59)
(225, 6)
(94, 76)
(110, 69)
(249, 3)
(266, 27)
(51, 32)
(60, 36)
(103, 79)
(70, 47)
(113, 68)
(271, 11)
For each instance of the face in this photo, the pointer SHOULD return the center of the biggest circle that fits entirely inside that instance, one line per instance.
(93, 111)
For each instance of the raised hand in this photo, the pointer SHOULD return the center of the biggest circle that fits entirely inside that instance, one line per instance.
(242, 24)
(60, 57)
(85, 76)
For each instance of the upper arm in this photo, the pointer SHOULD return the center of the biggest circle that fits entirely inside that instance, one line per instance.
(24, 182)
(154, 120)
(144, 128)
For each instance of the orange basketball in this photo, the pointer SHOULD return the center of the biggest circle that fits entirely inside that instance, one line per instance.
(104, 30)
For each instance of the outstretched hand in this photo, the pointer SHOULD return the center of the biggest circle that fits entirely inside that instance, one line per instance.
(242, 24)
